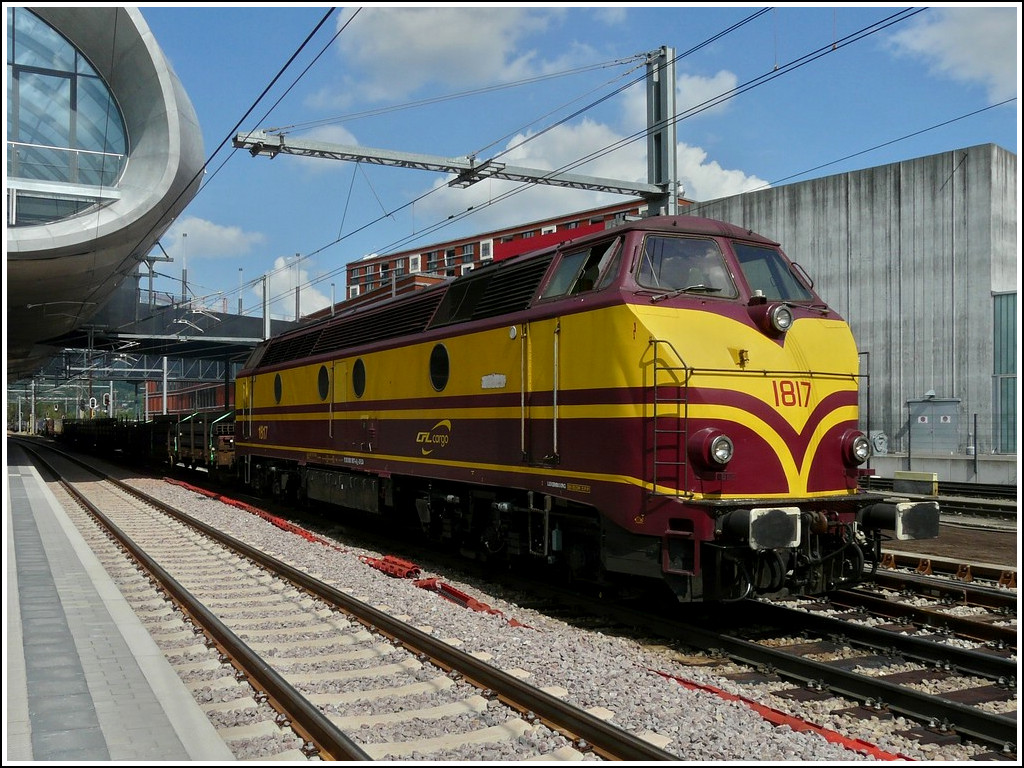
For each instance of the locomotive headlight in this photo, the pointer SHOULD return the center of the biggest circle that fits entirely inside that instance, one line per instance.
(710, 448)
(773, 319)
(856, 448)
(781, 318)
(721, 449)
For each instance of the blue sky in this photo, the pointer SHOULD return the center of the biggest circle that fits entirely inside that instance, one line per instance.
(817, 91)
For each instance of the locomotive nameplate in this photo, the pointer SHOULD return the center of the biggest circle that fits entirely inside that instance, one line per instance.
(572, 487)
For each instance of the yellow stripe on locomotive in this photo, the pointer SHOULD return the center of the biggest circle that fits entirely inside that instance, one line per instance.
(602, 351)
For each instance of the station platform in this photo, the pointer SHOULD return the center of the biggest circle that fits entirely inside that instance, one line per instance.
(83, 679)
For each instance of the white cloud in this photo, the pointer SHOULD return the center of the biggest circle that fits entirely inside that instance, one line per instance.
(397, 50)
(287, 275)
(610, 15)
(970, 45)
(703, 180)
(700, 179)
(691, 92)
(192, 238)
(549, 151)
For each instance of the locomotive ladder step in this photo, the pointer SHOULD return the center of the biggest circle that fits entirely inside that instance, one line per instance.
(673, 406)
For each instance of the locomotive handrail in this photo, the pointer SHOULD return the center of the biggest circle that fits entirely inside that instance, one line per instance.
(777, 372)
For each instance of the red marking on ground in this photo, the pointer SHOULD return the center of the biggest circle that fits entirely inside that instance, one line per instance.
(459, 597)
(392, 566)
(389, 564)
(775, 717)
(279, 522)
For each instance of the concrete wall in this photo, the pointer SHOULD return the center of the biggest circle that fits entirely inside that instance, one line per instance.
(911, 254)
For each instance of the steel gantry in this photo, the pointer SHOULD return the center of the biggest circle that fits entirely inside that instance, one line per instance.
(661, 190)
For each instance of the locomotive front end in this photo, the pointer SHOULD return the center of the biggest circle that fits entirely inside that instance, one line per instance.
(754, 449)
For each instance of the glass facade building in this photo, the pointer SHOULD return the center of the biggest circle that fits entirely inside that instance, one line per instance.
(104, 151)
(66, 138)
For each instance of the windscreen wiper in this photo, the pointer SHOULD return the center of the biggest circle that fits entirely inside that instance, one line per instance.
(698, 288)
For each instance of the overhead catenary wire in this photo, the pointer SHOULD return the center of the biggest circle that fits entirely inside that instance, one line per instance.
(777, 70)
(131, 257)
(451, 219)
(253, 283)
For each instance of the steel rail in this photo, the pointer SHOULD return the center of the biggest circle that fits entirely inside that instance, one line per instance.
(306, 719)
(588, 731)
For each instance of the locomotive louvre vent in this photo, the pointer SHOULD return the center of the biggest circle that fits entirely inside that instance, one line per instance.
(491, 293)
(390, 322)
(511, 290)
(292, 347)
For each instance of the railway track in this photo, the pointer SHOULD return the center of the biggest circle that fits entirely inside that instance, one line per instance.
(895, 683)
(951, 489)
(317, 672)
(825, 661)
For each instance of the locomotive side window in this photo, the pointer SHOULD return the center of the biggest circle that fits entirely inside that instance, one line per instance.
(579, 271)
(323, 382)
(565, 274)
(439, 367)
(765, 270)
(277, 389)
(685, 264)
(609, 265)
(359, 377)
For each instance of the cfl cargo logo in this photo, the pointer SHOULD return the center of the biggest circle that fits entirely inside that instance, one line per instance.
(436, 437)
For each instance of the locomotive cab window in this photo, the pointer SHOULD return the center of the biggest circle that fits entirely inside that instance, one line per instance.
(685, 264)
(581, 271)
(765, 270)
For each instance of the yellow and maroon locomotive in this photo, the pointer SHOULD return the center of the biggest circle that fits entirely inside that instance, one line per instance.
(668, 399)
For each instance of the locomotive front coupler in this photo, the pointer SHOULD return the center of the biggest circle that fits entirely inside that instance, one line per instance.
(910, 520)
(761, 527)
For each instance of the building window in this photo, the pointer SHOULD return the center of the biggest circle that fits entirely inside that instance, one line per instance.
(63, 124)
(414, 264)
